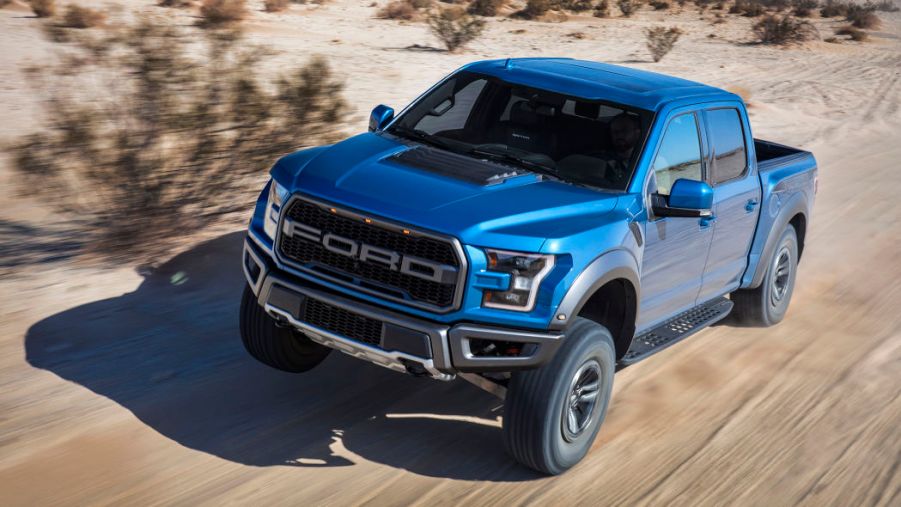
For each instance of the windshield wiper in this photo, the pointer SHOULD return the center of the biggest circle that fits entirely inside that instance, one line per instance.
(423, 137)
(520, 161)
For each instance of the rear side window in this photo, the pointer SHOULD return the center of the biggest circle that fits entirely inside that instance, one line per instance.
(680, 153)
(727, 141)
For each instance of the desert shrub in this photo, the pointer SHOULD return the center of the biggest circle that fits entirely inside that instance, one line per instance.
(602, 9)
(397, 9)
(627, 7)
(535, 8)
(178, 4)
(222, 12)
(748, 8)
(660, 40)
(455, 28)
(862, 16)
(573, 5)
(885, 6)
(43, 8)
(421, 4)
(719, 6)
(782, 30)
(275, 5)
(804, 8)
(170, 135)
(82, 17)
(853, 33)
(485, 7)
(834, 9)
(659, 5)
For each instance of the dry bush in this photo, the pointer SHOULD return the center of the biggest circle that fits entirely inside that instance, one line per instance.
(170, 135)
(659, 5)
(862, 16)
(804, 8)
(178, 4)
(854, 34)
(43, 8)
(421, 4)
(485, 7)
(748, 8)
(222, 12)
(834, 9)
(572, 5)
(534, 9)
(455, 28)
(627, 7)
(783, 30)
(275, 5)
(397, 9)
(602, 9)
(82, 17)
(660, 40)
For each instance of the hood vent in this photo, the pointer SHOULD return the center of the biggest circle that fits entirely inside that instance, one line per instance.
(452, 165)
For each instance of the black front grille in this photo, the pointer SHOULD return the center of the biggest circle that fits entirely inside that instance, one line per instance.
(370, 276)
(342, 322)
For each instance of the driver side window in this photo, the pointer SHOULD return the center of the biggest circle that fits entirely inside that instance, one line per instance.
(679, 156)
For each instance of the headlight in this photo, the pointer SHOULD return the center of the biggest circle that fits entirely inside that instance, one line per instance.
(526, 271)
(277, 195)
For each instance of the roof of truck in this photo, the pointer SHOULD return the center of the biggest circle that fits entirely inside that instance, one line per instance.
(598, 81)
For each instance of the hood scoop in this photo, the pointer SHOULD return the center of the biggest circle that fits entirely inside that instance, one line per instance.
(453, 165)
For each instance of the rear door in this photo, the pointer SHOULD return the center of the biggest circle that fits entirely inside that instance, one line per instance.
(736, 200)
(676, 247)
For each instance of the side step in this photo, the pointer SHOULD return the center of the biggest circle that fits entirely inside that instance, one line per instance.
(676, 329)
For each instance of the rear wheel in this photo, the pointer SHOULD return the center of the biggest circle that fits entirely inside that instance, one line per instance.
(766, 305)
(279, 347)
(552, 414)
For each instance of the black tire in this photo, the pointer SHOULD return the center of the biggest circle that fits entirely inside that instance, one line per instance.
(279, 347)
(538, 401)
(766, 305)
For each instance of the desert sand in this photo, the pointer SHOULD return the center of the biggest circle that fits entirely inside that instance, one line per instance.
(124, 388)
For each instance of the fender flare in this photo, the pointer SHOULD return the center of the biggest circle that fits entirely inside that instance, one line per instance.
(609, 266)
(796, 205)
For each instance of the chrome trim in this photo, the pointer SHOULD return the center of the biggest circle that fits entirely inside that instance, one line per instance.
(391, 226)
(254, 284)
(387, 359)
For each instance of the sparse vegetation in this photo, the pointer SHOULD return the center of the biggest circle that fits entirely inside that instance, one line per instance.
(804, 8)
(862, 16)
(485, 7)
(534, 9)
(602, 9)
(42, 8)
(82, 17)
(783, 30)
(885, 6)
(222, 12)
(661, 40)
(398, 9)
(627, 7)
(748, 8)
(134, 156)
(275, 5)
(659, 5)
(854, 34)
(834, 9)
(455, 28)
(178, 4)
(573, 5)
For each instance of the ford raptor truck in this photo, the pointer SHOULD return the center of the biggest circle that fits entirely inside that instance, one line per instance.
(531, 225)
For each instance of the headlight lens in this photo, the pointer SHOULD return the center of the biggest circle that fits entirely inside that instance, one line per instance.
(526, 270)
(277, 195)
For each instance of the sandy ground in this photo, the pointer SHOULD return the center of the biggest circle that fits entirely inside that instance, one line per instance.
(118, 388)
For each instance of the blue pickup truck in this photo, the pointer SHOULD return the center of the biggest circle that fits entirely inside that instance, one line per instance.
(532, 226)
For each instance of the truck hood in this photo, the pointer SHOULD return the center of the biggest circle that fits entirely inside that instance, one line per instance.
(521, 212)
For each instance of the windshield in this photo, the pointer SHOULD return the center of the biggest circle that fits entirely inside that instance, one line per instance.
(577, 140)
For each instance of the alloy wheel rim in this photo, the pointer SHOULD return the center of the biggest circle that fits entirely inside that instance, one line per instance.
(579, 406)
(782, 277)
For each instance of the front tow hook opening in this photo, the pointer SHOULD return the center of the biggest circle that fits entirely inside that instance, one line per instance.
(414, 368)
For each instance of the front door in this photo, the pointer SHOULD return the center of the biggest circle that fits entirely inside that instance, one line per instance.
(736, 202)
(676, 247)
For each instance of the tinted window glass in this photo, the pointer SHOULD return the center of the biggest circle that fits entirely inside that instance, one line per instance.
(680, 153)
(451, 114)
(728, 144)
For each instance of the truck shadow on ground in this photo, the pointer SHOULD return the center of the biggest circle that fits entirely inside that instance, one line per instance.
(170, 353)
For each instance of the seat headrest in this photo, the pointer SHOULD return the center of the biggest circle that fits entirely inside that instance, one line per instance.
(523, 114)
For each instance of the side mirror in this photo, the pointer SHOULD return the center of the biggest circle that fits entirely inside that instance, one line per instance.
(687, 198)
(380, 117)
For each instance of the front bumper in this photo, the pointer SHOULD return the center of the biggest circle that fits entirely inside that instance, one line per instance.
(390, 339)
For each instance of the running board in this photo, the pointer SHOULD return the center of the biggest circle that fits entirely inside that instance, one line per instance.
(676, 329)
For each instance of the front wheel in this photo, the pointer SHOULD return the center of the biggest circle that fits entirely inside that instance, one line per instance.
(552, 414)
(279, 347)
(766, 305)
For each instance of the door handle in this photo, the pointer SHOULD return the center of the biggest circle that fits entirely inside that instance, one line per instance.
(751, 204)
(706, 222)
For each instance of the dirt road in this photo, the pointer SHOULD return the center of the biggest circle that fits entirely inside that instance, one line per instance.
(118, 388)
